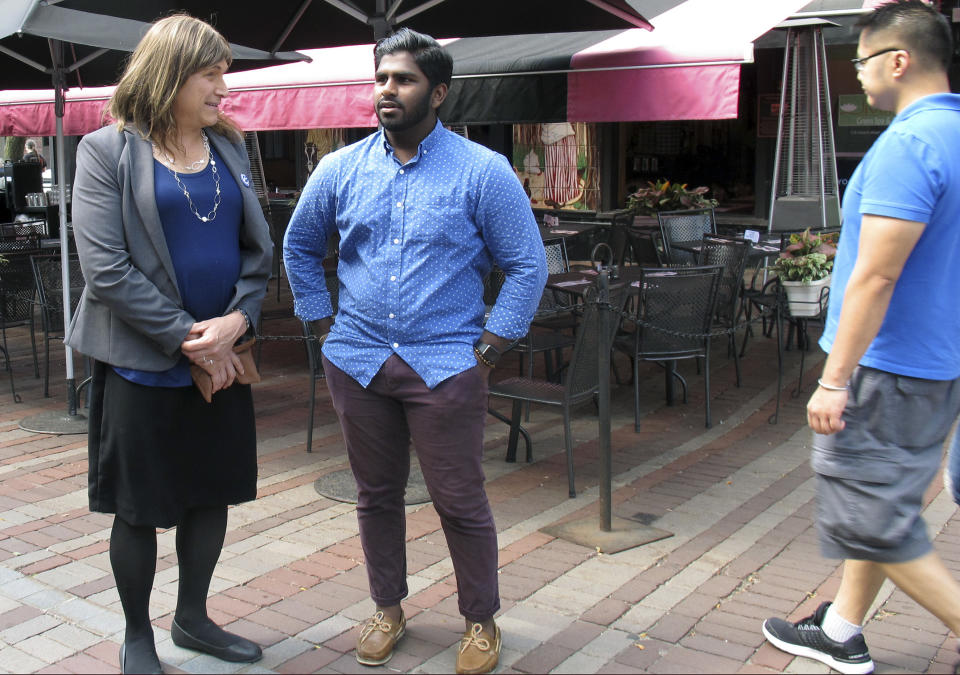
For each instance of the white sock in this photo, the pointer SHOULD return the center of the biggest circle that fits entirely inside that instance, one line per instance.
(837, 628)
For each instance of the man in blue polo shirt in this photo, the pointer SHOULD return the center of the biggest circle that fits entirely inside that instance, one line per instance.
(890, 390)
(422, 215)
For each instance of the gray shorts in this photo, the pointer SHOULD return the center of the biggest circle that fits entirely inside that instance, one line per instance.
(871, 477)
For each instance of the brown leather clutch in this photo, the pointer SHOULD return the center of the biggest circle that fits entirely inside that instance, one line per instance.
(244, 351)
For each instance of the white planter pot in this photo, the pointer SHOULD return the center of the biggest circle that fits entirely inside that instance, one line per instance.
(807, 298)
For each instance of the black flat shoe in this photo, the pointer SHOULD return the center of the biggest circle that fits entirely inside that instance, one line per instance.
(149, 667)
(235, 649)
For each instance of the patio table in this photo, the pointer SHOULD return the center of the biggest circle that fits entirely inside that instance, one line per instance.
(567, 229)
(574, 282)
(762, 249)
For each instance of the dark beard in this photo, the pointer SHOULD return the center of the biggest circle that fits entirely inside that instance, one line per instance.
(409, 117)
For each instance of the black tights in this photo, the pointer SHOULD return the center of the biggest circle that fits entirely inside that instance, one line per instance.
(133, 556)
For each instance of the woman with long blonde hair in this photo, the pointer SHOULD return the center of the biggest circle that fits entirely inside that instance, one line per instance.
(176, 255)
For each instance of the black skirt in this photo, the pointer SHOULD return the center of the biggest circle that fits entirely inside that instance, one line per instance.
(157, 452)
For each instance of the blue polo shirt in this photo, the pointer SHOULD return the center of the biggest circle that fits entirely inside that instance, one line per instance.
(912, 172)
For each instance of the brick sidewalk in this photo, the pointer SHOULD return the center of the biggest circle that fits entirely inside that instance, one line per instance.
(738, 498)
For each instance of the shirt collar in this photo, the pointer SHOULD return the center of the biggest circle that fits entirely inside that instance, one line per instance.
(427, 145)
(944, 100)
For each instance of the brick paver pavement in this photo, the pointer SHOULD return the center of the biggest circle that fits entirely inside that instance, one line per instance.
(738, 499)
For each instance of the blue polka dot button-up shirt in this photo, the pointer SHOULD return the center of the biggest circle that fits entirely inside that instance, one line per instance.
(416, 241)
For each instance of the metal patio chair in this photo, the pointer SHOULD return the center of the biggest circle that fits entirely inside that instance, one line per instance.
(49, 286)
(732, 255)
(17, 308)
(674, 312)
(684, 226)
(314, 355)
(580, 379)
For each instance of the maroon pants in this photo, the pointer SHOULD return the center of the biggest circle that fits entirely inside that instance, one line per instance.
(446, 425)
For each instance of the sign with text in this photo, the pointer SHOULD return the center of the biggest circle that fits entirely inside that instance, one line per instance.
(858, 123)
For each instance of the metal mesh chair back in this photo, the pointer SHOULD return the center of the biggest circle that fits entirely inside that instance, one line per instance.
(23, 228)
(583, 374)
(557, 263)
(619, 237)
(676, 226)
(679, 300)
(492, 284)
(556, 251)
(732, 255)
(278, 217)
(333, 287)
(16, 292)
(644, 248)
(19, 244)
(313, 351)
(49, 283)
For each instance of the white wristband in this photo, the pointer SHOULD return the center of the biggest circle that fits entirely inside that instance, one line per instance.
(830, 387)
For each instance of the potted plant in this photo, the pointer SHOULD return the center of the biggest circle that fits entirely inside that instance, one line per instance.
(666, 196)
(804, 268)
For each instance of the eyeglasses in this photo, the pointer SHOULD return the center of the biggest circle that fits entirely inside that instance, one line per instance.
(860, 64)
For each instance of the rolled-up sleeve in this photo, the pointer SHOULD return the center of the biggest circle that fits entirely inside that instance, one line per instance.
(305, 242)
(510, 232)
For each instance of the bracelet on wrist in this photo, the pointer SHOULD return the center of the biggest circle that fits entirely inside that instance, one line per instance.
(246, 317)
(830, 387)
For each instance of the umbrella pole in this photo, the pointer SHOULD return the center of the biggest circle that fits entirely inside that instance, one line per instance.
(65, 255)
(52, 422)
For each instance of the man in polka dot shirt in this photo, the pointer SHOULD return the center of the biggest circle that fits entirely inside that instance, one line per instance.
(422, 215)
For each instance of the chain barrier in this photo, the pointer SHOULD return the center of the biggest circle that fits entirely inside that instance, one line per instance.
(765, 313)
(629, 318)
(626, 316)
(287, 338)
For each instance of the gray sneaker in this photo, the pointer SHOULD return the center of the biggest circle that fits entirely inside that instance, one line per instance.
(806, 638)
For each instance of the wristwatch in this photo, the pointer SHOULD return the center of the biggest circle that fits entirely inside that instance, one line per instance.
(487, 353)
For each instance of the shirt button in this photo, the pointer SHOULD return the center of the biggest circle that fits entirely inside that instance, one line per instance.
(396, 241)
(393, 278)
(392, 315)
(396, 344)
(399, 205)
(401, 172)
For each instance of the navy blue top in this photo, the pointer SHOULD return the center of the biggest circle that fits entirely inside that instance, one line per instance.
(206, 256)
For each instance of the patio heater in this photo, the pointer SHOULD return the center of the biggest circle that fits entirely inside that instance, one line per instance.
(805, 192)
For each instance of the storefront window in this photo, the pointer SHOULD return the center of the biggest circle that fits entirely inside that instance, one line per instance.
(558, 164)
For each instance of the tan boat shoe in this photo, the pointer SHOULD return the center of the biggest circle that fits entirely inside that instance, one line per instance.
(478, 652)
(377, 639)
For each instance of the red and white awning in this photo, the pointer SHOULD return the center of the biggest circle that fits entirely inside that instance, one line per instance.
(687, 68)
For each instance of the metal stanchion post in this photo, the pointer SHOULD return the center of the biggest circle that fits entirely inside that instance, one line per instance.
(614, 534)
(603, 395)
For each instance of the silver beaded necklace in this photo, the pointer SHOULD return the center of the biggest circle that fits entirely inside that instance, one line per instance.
(212, 214)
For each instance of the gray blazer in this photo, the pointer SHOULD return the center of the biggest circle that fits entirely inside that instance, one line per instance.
(130, 314)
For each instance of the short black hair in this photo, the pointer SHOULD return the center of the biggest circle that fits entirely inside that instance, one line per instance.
(435, 62)
(921, 29)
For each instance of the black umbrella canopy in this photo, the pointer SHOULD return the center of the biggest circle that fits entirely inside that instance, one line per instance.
(307, 24)
(95, 43)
